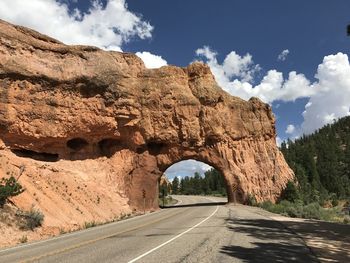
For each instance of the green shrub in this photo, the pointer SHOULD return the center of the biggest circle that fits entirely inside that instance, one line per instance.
(23, 239)
(90, 224)
(251, 200)
(312, 211)
(294, 211)
(267, 205)
(290, 192)
(32, 219)
(9, 187)
(335, 202)
(346, 220)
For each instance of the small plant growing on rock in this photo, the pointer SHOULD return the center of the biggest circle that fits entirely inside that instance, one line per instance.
(23, 239)
(90, 224)
(251, 200)
(62, 231)
(9, 187)
(32, 219)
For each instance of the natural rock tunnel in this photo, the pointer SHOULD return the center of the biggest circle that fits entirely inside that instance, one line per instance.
(79, 103)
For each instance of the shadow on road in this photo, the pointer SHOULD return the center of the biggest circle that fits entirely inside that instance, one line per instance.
(266, 253)
(330, 241)
(194, 205)
(270, 242)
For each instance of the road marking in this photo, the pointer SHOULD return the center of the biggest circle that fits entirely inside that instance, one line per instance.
(88, 242)
(78, 232)
(172, 239)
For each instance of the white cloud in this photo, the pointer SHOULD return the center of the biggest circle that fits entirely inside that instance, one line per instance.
(243, 67)
(278, 141)
(151, 60)
(236, 73)
(233, 66)
(106, 27)
(332, 97)
(329, 95)
(283, 55)
(186, 168)
(290, 129)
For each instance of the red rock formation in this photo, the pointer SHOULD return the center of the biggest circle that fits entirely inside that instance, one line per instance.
(98, 124)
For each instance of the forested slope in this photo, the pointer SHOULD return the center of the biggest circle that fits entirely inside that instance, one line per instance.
(321, 162)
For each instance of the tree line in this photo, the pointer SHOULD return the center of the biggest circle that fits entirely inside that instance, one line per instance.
(321, 163)
(212, 183)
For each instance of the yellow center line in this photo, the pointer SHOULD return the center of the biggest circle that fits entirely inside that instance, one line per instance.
(59, 251)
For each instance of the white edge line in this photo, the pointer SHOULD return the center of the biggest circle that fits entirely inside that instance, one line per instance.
(77, 232)
(172, 239)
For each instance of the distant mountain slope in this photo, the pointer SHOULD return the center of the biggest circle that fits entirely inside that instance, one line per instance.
(321, 162)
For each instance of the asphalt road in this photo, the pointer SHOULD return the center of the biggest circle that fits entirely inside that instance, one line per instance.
(199, 229)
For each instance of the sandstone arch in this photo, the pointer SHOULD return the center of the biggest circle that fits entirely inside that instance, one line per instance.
(136, 121)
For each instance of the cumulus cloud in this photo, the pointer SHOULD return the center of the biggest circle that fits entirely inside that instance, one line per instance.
(329, 95)
(236, 73)
(151, 60)
(332, 97)
(283, 55)
(106, 27)
(186, 168)
(233, 66)
(290, 129)
(279, 141)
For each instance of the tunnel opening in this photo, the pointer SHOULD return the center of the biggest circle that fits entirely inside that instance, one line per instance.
(77, 144)
(38, 156)
(191, 177)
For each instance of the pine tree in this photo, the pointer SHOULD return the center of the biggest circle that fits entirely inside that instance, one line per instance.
(9, 187)
(290, 193)
(321, 162)
(175, 185)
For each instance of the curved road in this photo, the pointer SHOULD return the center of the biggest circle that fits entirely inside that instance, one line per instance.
(199, 229)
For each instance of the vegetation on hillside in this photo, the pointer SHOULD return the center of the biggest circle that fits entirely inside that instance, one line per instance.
(321, 163)
(9, 187)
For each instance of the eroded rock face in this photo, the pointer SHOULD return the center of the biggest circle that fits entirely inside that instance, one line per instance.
(64, 108)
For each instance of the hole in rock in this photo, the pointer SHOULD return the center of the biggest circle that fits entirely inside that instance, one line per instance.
(192, 177)
(109, 146)
(141, 150)
(46, 157)
(210, 141)
(155, 148)
(77, 144)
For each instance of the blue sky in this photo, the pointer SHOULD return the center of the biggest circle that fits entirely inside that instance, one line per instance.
(241, 40)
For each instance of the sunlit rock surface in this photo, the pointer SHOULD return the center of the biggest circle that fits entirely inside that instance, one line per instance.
(95, 128)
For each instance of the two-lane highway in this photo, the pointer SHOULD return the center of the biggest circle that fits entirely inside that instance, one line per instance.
(200, 229)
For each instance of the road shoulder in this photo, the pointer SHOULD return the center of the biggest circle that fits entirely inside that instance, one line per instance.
(328, 241)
